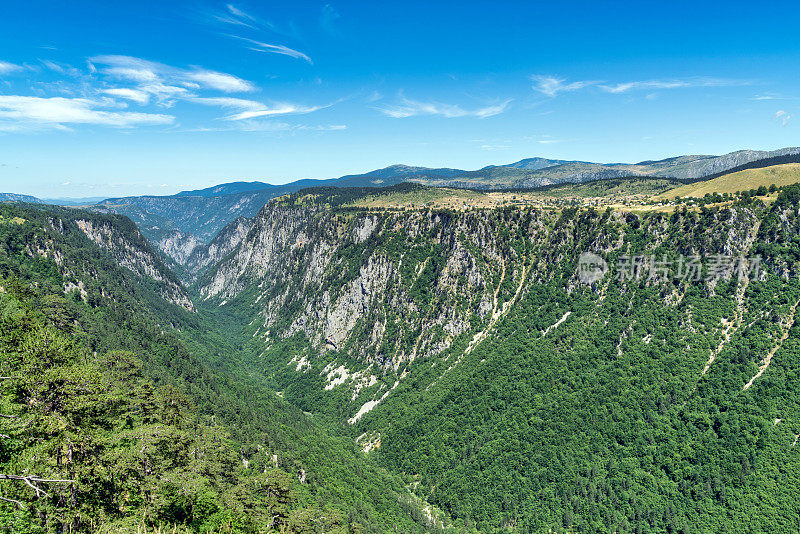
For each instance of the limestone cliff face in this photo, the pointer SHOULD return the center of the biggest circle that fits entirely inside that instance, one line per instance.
(386, 287)
(131, 250)
(223, 243)
(373, 296)
(178, 246)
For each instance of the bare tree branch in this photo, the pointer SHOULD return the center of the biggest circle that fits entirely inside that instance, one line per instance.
(14, 501)
(33, 480)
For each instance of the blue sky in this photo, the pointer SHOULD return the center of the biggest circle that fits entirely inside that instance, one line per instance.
(109, 99)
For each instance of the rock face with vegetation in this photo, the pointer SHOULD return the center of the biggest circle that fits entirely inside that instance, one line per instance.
(130, 250)
(379, 370)
(122, 412)
(383, 287)
(177, 223)
(465, 352)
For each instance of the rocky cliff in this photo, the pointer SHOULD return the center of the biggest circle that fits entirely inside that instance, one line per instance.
(354, 299)
(130, 250)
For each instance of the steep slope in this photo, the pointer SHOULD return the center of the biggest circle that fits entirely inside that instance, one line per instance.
(178, 223)
(464, 350)
(126, 408)
(71, 240)
(199, 216)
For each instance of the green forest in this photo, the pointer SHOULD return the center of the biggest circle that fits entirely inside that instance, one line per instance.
(625, 405)
(117, 416)
(609, 422)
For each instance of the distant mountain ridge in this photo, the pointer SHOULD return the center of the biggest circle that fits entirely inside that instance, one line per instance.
(178, 224)
(14, 197)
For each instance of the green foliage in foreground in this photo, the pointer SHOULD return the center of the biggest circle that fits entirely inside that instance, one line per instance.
(126, 401)
(123, 450)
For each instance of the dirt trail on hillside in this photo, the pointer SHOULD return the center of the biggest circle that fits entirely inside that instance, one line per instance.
(732, 326)
(768, 358)
(498, 311)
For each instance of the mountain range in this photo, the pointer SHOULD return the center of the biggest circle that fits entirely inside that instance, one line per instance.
(178, 224)
(324, 365)
(188, 211)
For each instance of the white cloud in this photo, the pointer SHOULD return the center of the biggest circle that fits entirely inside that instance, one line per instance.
(259, 46)
(260, 125)
(551, 85)
(149, 83)
(135, 95)
(279, 109)
(143, 71)
(165, 94)
(236, 16)
(251, 109)
(239, 13)
(328, 128)
(27, 112)
(671, 84)
(783, 116)
(412, 108)
(227, 83)
(228, 102)
(6, 67)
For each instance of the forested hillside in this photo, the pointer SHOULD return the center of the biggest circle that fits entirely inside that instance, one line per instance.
(123, 412)
(342, 369)
(465, 352)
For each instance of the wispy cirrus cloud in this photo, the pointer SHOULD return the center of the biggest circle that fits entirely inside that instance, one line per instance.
(783, 116)
(150, 72)
(101, 92)
(236, 12)
(6, 67)
(553, 85)
(772, 96)
(252, 109)
(258, 46)
(60, 68)
(670, 84)
(412, 108)
(135, 95)
(31, 113)
(236, 16)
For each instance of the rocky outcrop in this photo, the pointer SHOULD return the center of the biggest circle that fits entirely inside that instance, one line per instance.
(131, 250)
(223, 243)
(374, 292)
(178, 246)
(386, 287)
